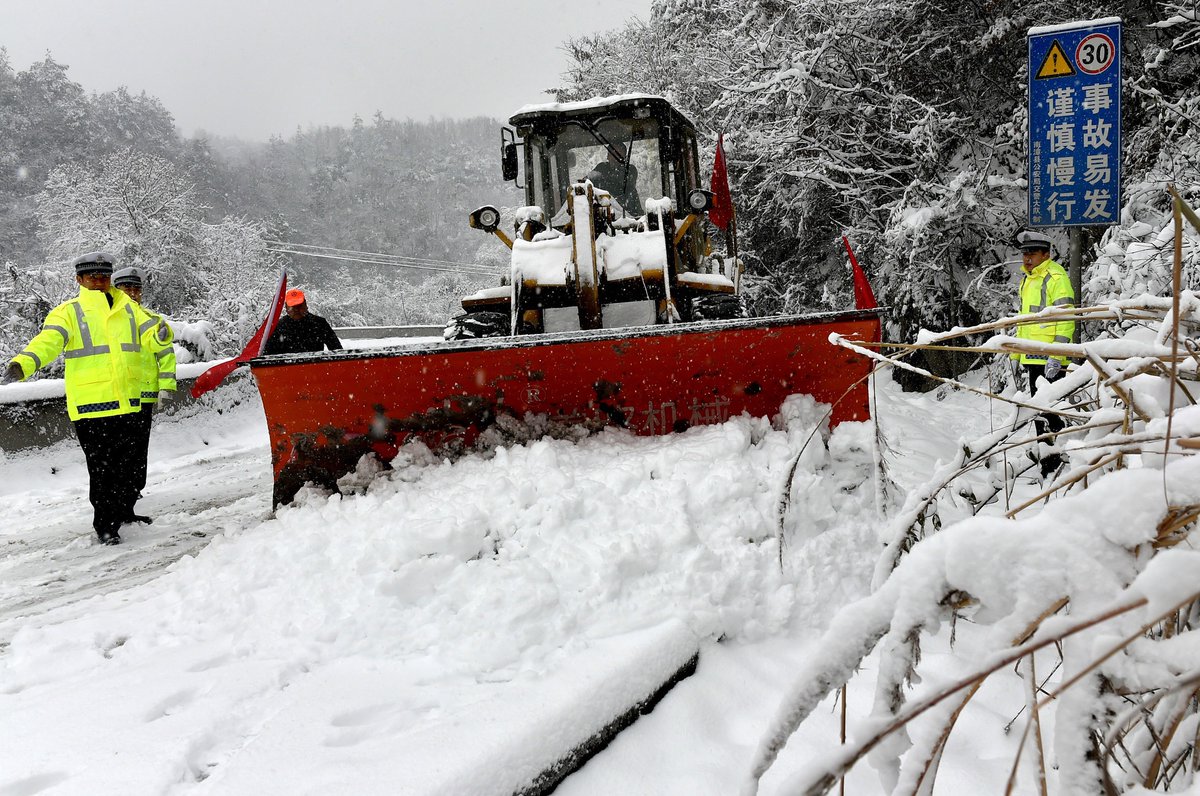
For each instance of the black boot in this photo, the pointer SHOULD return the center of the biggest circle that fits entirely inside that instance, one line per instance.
(108, 536)
(137, 518)
(1050, 465)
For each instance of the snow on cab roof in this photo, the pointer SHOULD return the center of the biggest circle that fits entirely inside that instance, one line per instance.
(587, 104)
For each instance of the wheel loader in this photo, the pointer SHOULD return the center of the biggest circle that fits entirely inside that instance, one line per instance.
(615, 312)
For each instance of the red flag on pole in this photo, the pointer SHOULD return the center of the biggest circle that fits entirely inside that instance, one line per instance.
(212, 378)
(721, 212)
(864, 297)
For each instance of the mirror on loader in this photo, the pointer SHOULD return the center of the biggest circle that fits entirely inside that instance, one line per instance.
(508, 162)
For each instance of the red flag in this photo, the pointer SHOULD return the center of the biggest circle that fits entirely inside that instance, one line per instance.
(212, 378)
(721, 212)
(864, 297)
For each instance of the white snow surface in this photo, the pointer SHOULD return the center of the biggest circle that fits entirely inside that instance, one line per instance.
(453, 627)
(705, 279)
(660, 206)
(632, 253)
(317, 645)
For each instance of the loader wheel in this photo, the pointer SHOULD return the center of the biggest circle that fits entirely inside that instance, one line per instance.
(472, 325)
(718, 307)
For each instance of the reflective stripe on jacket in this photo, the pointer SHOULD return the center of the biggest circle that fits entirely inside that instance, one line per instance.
(158, 367)
(1047, 285)
(102, 346)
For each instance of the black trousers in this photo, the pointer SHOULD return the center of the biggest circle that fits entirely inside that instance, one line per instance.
(110, 447)
(1036, 372)
(1045, 423)
(141, 422)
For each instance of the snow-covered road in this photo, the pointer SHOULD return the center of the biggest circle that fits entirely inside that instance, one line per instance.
(49, 558)
(65, 566)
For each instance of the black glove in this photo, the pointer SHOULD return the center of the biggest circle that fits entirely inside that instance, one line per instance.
(12, 373)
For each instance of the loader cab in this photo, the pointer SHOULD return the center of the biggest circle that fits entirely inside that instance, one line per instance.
(636, 147)
(596, 246)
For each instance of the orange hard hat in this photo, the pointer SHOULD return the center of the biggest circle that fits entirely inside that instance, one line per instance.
(293, 297)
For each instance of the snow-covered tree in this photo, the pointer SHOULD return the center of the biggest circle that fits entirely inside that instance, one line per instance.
(137, 206)
(902, 123)
(142, 209)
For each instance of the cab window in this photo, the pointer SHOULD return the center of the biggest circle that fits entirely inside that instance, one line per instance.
(620, 156)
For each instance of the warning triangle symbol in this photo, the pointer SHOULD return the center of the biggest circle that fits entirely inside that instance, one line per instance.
(1056, 63)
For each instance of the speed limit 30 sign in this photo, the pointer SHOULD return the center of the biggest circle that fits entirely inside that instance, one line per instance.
(1075, 123)
(1095, 53)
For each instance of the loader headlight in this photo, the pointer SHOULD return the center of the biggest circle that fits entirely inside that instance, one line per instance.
(700, 200)
(486, 218)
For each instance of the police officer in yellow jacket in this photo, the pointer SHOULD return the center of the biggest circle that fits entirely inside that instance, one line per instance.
(1045, 283)
(158, 375)
(101, 335)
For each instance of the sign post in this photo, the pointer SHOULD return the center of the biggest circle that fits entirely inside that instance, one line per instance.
(1075, 129)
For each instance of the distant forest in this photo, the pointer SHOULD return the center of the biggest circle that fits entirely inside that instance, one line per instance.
(82, 171)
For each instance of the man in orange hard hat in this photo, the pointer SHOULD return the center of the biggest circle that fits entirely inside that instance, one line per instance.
(300, 331)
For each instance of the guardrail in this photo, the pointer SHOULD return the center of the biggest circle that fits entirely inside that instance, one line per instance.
(377, 332)
(33, 424)
(34, 414)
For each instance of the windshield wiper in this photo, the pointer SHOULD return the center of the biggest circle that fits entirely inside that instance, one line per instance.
(604, 142)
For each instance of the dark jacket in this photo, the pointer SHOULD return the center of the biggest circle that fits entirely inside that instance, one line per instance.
(621, 182)
(310, 333)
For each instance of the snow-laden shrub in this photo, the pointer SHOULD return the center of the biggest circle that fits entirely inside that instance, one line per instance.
(193, 341)
(1139, 258)
(1088, 581)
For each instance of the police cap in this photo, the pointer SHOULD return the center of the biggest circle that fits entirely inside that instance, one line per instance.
(130, 275)
(1033, 241)
(94, 262)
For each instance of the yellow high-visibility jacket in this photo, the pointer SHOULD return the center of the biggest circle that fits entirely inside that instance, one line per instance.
(1047, 285)
(103, 348)
(158, 367)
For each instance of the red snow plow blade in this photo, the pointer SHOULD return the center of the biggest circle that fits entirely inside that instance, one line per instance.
(325, 411)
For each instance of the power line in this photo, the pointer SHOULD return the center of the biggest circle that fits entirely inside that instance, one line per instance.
(389, 257)
(468, 271)
(369, 253)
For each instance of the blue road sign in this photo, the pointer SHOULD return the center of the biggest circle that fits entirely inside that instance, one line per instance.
(1075, 123)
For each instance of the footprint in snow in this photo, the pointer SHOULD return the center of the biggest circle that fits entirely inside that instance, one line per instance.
(170, 705)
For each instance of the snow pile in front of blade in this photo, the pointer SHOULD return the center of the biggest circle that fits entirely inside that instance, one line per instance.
(497, 564)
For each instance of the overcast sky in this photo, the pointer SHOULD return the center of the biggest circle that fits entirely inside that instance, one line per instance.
(252, 68)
